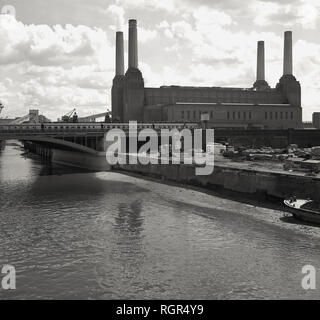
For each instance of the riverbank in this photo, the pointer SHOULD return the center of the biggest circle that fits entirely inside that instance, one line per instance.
(269, 210)
(251, 181)
(246, 177)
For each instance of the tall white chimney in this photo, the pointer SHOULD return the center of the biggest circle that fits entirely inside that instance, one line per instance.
(287, 54)
(133, 44)
(260, 61)
(119, 54)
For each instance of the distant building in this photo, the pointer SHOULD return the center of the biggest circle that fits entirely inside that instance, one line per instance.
(32, 117)
(316, 120)
(256, 107)
(307, 125)
(43, 119)
(4, 121)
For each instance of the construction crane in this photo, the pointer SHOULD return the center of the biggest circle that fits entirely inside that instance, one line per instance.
(71, 116)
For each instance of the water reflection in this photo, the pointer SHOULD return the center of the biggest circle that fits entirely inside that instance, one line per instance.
(75, 234)
(129, 218)
(129, 239)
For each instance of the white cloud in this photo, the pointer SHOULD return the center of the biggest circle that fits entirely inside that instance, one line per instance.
(206, 17)
(51, 68)
(118, 14)
(169, 6)
(309, 14)
(306, 69)
(304, 13)
(208, 43)
(145, 35)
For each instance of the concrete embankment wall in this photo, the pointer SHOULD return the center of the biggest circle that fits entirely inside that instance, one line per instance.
(245, 181)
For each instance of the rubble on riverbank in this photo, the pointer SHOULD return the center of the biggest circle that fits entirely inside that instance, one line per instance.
(292, 158)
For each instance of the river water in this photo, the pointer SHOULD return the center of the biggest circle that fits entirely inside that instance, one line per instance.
(75, 234)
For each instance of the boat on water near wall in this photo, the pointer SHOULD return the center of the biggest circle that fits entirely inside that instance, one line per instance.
(304, 209)
(2, 144)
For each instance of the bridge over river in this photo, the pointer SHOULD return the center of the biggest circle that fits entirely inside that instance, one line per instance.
(77, 143)
(86, 140)
(85, 137)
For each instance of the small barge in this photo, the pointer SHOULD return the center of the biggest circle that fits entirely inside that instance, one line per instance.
(304, 209)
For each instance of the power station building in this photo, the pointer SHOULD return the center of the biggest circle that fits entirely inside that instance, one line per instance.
(257, 107)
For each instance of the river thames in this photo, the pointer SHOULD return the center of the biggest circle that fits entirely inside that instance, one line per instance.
(72, 234)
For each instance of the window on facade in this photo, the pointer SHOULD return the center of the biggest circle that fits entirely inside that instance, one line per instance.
(211, 114)
(270, 114)
(194, 114)
(281, 115)
(291, 115)
(233, 114)
(239, 115)
(266, 115)
(250, 115)
(199, 114)
(276, 115)
(182, 114)
(286, 114)
(228, 115)
(244, 115)
(188, 114)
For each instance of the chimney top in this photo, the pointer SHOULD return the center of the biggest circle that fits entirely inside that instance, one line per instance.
(133, 45)
(287, 57)
(119, 54)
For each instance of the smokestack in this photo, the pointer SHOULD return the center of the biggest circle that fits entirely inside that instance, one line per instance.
(261, 83)
(260, 61)
(287, 56)
(133, 44)
(119, 54)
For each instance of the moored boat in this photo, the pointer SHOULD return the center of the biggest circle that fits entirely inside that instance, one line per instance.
(304, 209)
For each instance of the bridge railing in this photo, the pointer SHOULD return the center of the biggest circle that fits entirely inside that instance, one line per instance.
(56, 127)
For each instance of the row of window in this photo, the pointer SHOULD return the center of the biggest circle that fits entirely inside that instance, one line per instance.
(244, 115)
(173, 100)
(239, 115)
(194, 115)
(278, 115)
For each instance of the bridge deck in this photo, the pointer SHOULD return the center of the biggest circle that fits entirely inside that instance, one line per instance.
(80, 129)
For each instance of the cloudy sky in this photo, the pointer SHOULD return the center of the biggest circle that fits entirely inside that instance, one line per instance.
(58, 54)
